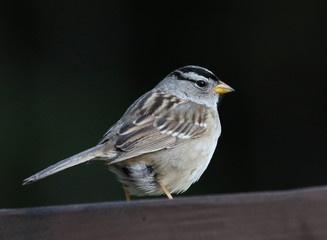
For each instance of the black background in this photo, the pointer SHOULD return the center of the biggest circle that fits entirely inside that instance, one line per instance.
(69, 69)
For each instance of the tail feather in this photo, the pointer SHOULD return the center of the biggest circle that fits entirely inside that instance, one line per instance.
(79, 158)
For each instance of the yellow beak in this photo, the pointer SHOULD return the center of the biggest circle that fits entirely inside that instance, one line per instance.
(222, 87)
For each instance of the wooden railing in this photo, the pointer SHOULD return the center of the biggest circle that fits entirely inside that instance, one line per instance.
(292, 215)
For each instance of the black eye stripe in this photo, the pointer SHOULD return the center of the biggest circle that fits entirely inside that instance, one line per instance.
(200, 83)
(177, 74)
(182, 74)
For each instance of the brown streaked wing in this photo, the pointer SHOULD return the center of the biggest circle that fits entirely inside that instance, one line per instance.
(161, 128)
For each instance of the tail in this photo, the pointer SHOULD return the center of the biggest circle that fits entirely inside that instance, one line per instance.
(81, 157)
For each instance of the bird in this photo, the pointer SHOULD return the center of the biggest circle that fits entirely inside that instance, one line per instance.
(164, 141)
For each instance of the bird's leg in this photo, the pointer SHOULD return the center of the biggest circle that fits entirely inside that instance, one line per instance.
(166, 191)
(128, 197)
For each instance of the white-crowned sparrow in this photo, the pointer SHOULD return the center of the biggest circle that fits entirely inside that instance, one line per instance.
(166, 138)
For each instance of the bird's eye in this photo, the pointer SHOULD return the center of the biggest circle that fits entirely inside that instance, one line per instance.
(201, 83)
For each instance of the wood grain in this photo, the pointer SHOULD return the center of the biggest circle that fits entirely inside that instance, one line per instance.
(296, 214)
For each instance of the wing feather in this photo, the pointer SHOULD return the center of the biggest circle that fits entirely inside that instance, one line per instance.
(148, 129)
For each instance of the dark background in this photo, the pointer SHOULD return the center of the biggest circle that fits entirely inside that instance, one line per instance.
(69, 70)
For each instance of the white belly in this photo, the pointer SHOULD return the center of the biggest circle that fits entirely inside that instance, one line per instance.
(175, 168)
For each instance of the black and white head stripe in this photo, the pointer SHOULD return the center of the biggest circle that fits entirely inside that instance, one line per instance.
(193, 73)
